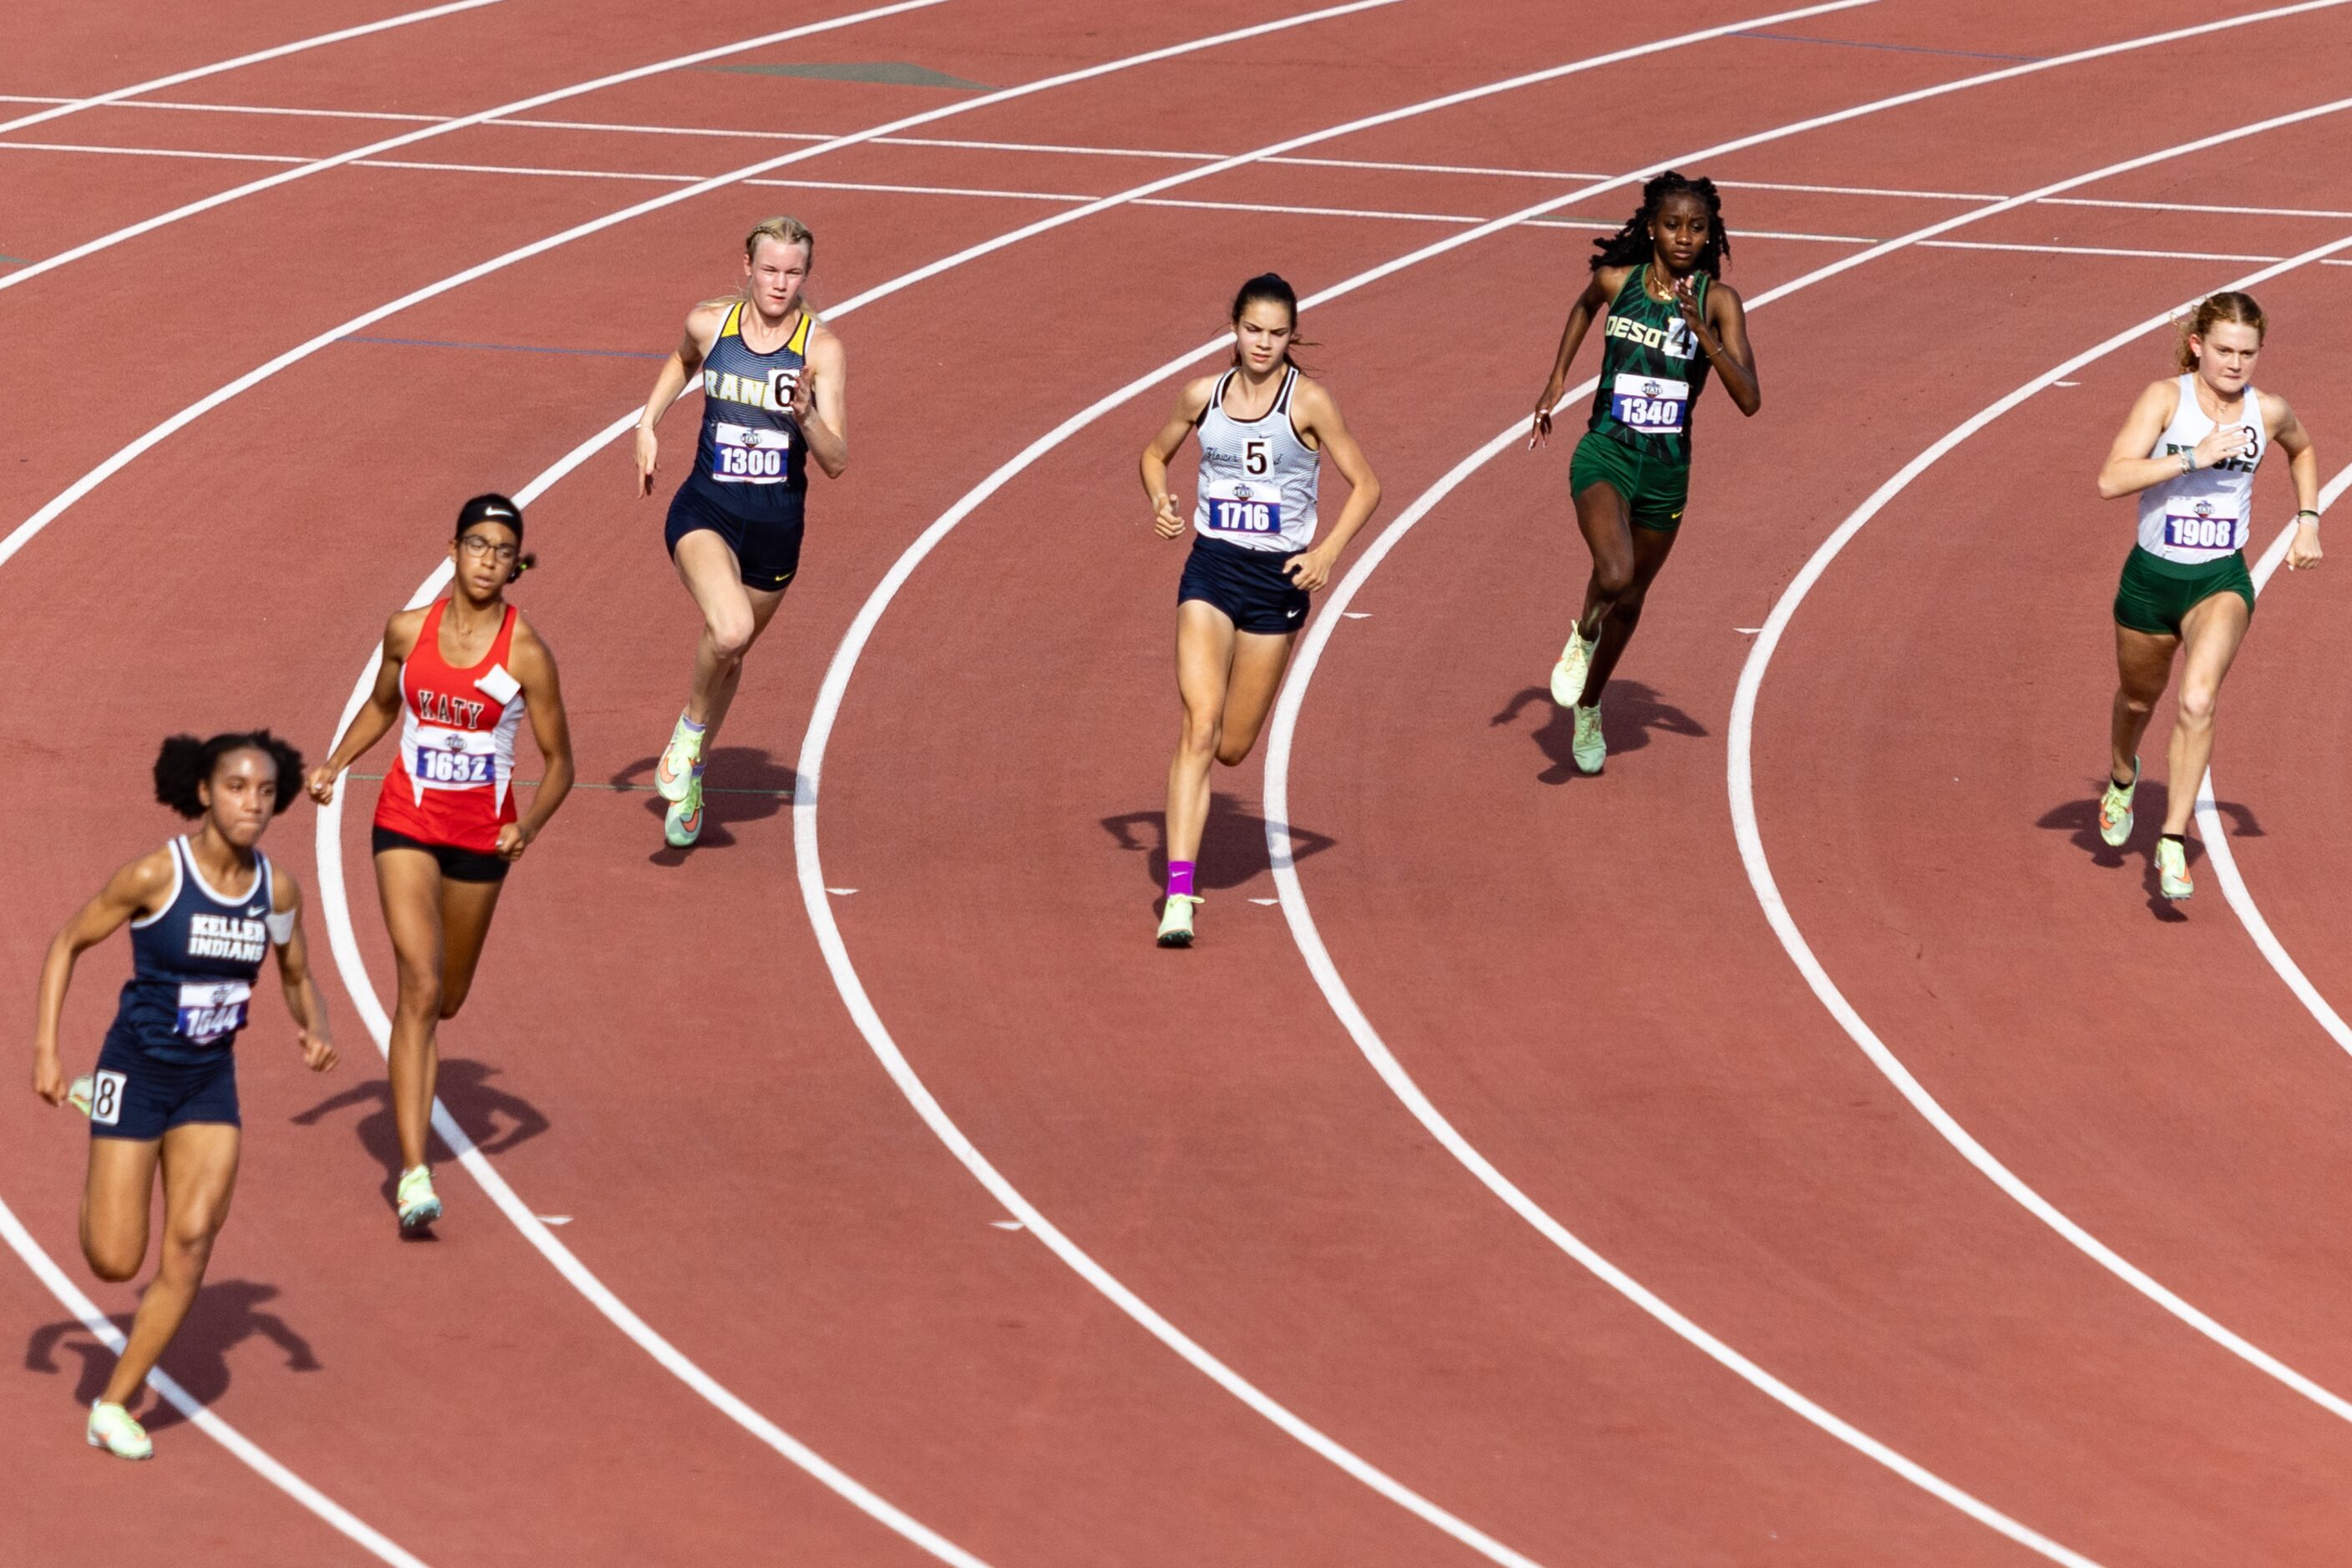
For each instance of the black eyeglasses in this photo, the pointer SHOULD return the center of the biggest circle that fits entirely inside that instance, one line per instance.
(477, 544)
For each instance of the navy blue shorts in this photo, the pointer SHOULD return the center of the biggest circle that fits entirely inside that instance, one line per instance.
(1249, 585)
(767, 550)
(141, 1097)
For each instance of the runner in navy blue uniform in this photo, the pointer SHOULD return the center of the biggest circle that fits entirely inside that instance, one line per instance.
(774, 394)
(204, 911)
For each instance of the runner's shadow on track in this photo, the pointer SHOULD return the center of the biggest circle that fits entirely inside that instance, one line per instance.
(740, 784)
(494, 1119)
(2080, 818)
(227, 1313)
(1233, 843)
(1632, 710)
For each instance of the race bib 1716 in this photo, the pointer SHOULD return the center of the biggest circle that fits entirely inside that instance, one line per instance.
(1237, 506)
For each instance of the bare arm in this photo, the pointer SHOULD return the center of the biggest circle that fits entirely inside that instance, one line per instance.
(534, 666)
(1191, 404)
(383, 705)
(2129, 469)
(1312, 570)
(2302, 466)
(820, 401)
(670, 384)
(302, 998)
(135, 890)
(1723, 337)
(1601, 289)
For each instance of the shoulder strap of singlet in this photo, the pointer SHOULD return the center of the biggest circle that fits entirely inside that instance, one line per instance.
(1282, 398)
(503, 645)
(799, 343)
(1216, 396)
(733, 325)
(429, 634)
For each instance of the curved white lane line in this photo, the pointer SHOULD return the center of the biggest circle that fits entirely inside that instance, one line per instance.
(251, 1454)
(2225, 860)
(24, 274)
(159, 83)
(1784, 926)
(1281, 737)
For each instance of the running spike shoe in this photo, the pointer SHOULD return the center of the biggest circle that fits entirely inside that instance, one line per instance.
(682, 824)
(1176, 919)
(1588, 750)
(419, 1204)
(112, 1429)
(79, 1093)
(1568, 675)
(2116, 811)
(673, 775)
(2172, 870)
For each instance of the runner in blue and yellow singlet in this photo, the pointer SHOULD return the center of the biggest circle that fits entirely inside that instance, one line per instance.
(774, 395)
(1668, 321)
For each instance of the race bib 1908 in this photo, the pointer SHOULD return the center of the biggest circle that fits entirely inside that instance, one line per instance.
(212, 1012)
(1651, 405)
(2200, 525)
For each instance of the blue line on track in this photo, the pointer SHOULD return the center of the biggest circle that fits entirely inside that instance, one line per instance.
(1900, 48)
(505, 348)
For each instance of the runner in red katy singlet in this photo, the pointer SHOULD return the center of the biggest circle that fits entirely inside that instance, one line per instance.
(459, 677)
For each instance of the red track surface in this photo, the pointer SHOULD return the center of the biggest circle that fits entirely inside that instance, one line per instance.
(1578, 976)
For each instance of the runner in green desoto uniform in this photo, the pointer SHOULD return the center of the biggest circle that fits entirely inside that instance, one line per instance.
(1668, 321)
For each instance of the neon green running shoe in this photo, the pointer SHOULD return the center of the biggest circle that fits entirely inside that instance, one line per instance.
(419, 1204)
(2172, 869)
(673, 775)
(81, 1092)
(2115, 809)
(1568, 675)
(682, 824)
(112, 1429)
(1588, 750)
(1176, 919)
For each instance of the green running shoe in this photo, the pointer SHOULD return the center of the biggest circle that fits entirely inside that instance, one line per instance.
(1568, 675)
(1176, 919)
(112, 1429)
(682, 824)
(2115, 809)
(1588, 750)
(673, 775)
(2172, 869)
(419, 1204)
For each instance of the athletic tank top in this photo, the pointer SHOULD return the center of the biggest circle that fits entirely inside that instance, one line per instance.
(2204, 516)
(1257, 477)
(193, 963)
(1651, 371)
(750, 459)
(450, 783)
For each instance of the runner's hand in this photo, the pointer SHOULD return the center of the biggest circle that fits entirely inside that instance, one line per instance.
(2304, 552)
(648, 459)
(1542, 431)
(1166, 519)
(512, 841)
(1686, 300)
(49, 1079)
(320, 783)
(318, 1051)
(2222, 443)
(1310, 571)
(803, 400)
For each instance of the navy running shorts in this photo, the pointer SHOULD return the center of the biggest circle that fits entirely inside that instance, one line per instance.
(767, 550)
(141, 1097)
(1249, 585)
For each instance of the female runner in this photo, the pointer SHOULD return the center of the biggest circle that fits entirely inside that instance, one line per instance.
(774, 394)
(1261, 426)
(460, 675)
(204, 910)
(2188, 449)
(1668, 321)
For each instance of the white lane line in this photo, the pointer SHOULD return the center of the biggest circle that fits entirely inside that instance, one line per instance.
(2225, 860)
(1281, 738)
(1741, 784)
(60, 1285)
(440, 128)
(76, 105)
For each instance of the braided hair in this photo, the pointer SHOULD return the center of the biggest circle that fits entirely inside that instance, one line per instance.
(185, 762)
(1632, 245)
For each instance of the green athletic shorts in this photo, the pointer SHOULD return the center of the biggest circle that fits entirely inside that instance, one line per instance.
(2155, 594)
(1654, 490)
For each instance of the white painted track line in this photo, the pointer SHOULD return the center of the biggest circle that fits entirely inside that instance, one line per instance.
(47, 263)
(76, 105)
(1784, 926)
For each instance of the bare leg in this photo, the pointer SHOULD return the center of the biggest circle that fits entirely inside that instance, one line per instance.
(733, 616)
(2143, 664)
(199, 1162)
(1651, 546)
(1205, 661)
(1607, 524)
(115, 1196)
(1259, 659)
(408, 881)
(466, 911)
(2210, 634)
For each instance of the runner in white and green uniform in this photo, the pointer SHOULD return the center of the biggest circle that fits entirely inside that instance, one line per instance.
(2190, 450)
(1668, 321)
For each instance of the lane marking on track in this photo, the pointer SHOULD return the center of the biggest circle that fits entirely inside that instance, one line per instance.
(251, 1454)
(442, 127)
(2216, 835)
(1741, 784)
(64, 107)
